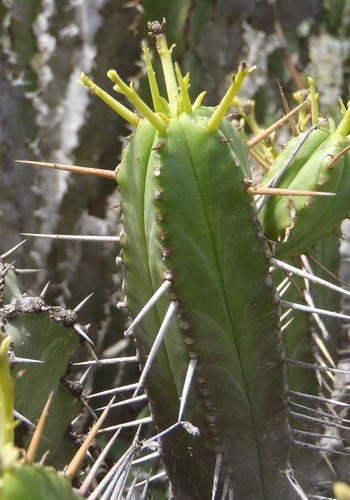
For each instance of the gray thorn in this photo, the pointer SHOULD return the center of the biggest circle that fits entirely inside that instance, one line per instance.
(44, 290)
(13, 249)
(27, 271)
(6, 269)
(82, 334)
(18, 360)
(18, 416)
(83, 302)
(73, 237)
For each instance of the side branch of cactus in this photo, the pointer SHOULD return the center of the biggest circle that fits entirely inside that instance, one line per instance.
(42, 341)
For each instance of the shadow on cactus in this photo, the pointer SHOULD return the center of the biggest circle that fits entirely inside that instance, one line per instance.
(199, 245)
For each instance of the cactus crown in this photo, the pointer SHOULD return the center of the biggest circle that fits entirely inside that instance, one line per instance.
(177, 87)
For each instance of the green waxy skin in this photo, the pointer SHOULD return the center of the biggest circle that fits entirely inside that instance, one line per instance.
(298, 224)
(20, 479)
(39, 336)
(44, 333)
(131, 177)
(33, 482)
(308, 145)
(187, 218)
(185, 210)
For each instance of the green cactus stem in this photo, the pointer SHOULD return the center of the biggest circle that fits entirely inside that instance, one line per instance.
(20, 480)
(45, 335)
(317, 160)
(188, 219)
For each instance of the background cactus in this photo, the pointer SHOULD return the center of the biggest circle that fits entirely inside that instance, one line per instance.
(67, 270)
(20, 478)
(42, 342)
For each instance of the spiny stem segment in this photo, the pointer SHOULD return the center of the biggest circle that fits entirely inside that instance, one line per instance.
(226, 101)
(123, 111)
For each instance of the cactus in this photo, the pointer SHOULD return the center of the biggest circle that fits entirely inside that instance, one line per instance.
(182, 225)
(21, 479)
(316, 160)
(322, 217)
(40, 397)
(43, 340)
(215, 372)
(192, 242)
